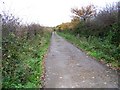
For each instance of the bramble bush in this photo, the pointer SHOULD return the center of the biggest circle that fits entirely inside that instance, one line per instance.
(23, 48)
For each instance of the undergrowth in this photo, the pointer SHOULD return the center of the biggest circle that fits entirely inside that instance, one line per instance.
(95, 47)
(22, 61)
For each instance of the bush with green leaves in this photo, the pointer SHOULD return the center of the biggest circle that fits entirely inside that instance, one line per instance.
(102, 50)
(23, 49)
(100, 35)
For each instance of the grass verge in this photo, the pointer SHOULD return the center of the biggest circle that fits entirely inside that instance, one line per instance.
(95, 47)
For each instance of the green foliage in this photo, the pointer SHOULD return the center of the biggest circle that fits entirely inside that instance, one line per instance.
(23, 48)
(100, 36)
(22, 61)
(100, 49)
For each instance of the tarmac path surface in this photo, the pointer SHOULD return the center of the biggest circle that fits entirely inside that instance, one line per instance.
(68, 67)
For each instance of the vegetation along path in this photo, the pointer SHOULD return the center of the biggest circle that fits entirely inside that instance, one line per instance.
(69, 67)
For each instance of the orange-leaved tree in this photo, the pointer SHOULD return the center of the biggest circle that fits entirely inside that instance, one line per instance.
(85, 12)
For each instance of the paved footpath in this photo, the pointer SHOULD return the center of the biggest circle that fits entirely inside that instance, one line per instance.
(69, 67)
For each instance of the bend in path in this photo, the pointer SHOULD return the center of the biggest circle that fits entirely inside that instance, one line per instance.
(69, 67)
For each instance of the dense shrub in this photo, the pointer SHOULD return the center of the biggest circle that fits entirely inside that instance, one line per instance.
(101, 34)
(102, 23)
(23, 48)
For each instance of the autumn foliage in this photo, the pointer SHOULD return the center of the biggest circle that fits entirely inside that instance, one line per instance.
(98, 32)
(85, 12)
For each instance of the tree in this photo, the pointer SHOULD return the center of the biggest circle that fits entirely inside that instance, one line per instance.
(74, 22)
(85, 12)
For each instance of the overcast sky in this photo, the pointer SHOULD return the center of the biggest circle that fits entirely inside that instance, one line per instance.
(47, 12)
